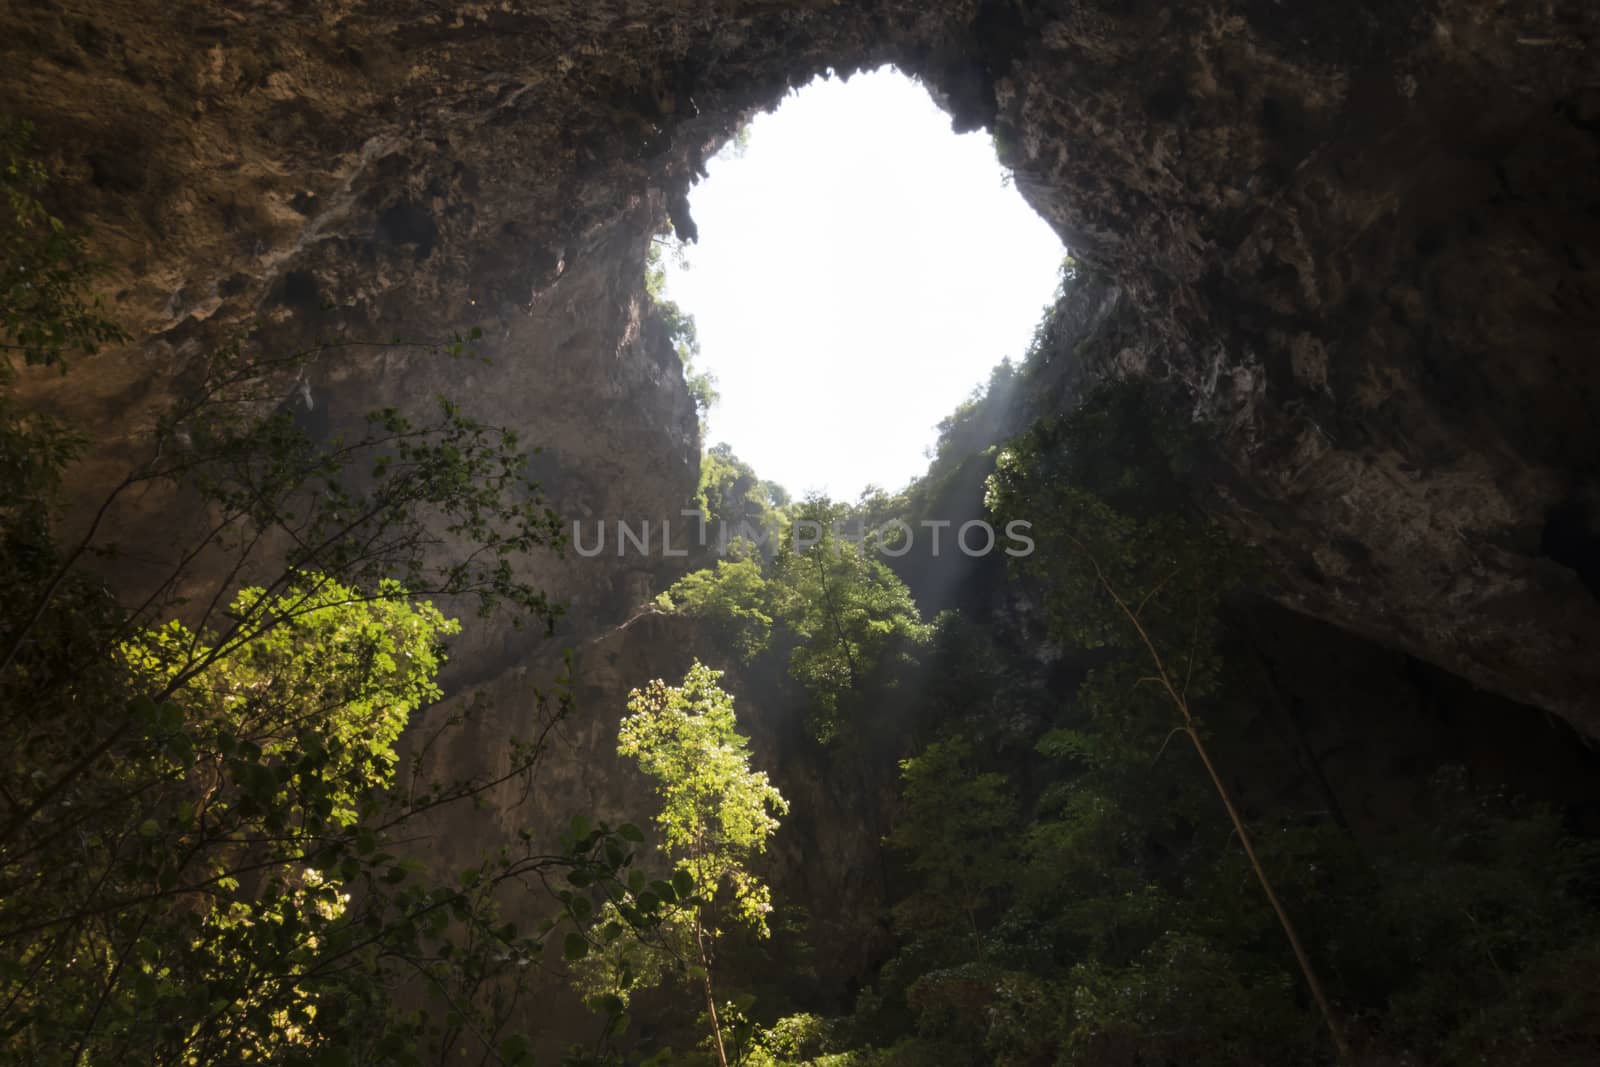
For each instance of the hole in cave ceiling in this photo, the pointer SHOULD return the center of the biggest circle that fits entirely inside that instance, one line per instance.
(860, 268)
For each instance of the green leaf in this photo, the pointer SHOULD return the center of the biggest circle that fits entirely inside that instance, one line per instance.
(575, 947)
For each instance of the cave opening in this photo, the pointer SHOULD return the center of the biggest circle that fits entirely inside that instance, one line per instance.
(860, 268)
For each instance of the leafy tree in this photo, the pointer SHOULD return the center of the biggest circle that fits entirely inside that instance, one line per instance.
(736, 503)
(1471, 930)
(977, 422)
(848, 614)
(958, 826)
(1140, 579)
(733, 597)
(717, 815)
(200, 818)
(1071, 894)
(840, 620)
(359, 666)
(221, 884)
(1108, 909)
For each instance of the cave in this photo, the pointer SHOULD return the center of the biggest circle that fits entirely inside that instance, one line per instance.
(1283, 209)
(1357, 246)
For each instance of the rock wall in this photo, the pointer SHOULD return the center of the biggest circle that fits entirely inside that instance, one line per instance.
(1366, 243)
(1364, 239)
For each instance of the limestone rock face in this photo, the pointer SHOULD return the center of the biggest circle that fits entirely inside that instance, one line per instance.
(1363, 238)
(1366, 244)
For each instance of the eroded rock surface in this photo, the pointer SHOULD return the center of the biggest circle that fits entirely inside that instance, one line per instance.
(1364, 238)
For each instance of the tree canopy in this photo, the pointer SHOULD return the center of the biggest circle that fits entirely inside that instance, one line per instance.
(716, 817)
(838, 618)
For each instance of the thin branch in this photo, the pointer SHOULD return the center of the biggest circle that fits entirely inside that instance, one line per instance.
(1182, 705)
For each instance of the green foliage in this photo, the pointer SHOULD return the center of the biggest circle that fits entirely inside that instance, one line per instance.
(957, 825)
(1083, 904)
(850, 617)
(839, 620)
(214, 880)
(1478, 925)
(1127, 566)
(976, 421)
(717, 816)
(716, 813)
(961, 457)
(795, 1038)
(733, 598)
(702, 389)
(735, 503)
(1107, 925)
(1113, 526)
(366, 662)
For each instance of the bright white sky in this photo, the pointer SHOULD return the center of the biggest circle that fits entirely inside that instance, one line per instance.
(858, 272)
